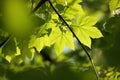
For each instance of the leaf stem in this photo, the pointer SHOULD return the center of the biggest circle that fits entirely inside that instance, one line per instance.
(83, 47)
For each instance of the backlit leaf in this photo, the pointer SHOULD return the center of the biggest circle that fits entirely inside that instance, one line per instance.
(39, 43)
(61, 39)
(114, 4)
(85, 30)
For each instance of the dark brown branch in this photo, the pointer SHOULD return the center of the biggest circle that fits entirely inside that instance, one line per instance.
(83, 47)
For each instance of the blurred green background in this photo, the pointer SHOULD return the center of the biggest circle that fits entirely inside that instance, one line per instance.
(71, 65)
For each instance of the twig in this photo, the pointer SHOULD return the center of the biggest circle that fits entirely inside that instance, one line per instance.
(5, 41)
(97, 76)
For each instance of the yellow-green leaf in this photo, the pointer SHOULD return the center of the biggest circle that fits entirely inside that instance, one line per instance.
(39, 43)
(93, 32)
(61, 39)
(85, 30)
(114, 4)
(73, 11)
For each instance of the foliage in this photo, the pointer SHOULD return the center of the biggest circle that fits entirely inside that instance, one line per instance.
(37, 41)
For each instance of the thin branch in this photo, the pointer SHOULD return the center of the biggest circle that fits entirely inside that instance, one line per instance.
(39, 4)
(5, 41)
(97, 76)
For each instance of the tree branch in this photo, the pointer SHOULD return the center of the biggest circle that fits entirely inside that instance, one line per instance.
(39, 4)
(83, 47)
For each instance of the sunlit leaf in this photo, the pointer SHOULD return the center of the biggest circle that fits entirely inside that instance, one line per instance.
(39, 43)
(60, 39)
(73, 11)
(114, 4)
(85, 30)
(8, 58)
(73, 1)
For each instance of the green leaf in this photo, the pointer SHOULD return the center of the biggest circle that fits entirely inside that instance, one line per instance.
(17, 59)
(38, 20)
(114, 4)
(44, 30)
(9, 50)
(73, 11)
(24, 49)
(39, 42)
(8, 58)
(86, 21)
(60, 7)
(61, 39)
(93, 32)
(85, 30)
(74, 1)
